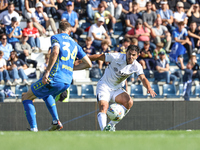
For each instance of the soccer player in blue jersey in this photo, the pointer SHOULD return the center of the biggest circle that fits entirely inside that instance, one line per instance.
(58, 76)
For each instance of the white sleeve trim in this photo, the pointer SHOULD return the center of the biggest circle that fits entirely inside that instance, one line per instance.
(56, 44)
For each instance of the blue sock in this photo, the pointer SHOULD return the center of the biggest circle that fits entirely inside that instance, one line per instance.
(51, 105)
(30, 113)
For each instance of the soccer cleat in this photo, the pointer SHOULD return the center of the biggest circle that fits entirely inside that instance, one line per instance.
(56, 126)
(109, 127)
(33, 129)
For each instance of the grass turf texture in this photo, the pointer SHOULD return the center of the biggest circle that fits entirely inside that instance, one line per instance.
(97, 140)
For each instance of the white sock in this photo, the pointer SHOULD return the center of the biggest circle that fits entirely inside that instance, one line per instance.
(113, 123)
(102, 119)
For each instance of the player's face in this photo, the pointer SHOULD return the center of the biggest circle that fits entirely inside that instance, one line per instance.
(131, 56)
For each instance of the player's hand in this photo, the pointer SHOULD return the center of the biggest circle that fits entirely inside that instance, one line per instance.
(151, 92)
(45, 79)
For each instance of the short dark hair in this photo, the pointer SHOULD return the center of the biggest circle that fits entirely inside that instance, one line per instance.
(127, 40)
(181, 23)
(1, 52)
(148, 3)
(64, 25)
(11, 3)
(134, 3)
(133, 48)
(3, 35)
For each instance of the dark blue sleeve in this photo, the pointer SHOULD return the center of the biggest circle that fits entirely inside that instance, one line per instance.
(117, 49)
(21, 62)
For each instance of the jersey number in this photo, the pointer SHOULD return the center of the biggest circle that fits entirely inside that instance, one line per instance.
(66, 48)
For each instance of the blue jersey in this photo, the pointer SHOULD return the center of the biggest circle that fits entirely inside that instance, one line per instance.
(62, 70)
(17, 32)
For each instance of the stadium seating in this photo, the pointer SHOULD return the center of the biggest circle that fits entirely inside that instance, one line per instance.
(181, 91)
(137, 91)
(19, 89)
(74, 92)
(87, 91)
(155, 87)
(169, 91)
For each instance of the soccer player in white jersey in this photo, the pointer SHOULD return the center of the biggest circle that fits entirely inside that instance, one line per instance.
(109, 87)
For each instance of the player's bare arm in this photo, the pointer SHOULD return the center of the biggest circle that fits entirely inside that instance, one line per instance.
(147, 85)
(52, 60)
(85, 63)
(97, 57)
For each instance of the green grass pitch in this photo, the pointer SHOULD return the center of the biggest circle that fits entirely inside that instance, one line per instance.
(97, 140)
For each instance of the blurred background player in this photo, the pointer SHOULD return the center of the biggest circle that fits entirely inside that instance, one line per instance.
(110, 85)
(57, 77)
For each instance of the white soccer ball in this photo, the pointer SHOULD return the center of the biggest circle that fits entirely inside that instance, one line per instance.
(115, 112)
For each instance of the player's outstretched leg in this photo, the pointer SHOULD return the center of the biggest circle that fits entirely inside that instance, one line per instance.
(126, 102)
(51, 105)
(102, 117)
(30, 110)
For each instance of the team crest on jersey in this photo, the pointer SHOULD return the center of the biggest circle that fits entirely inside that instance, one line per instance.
(115, 69)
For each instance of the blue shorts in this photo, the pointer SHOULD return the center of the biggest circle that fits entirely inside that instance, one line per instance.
(40, 90)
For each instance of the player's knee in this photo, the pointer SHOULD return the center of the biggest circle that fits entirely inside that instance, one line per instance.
(129, 103)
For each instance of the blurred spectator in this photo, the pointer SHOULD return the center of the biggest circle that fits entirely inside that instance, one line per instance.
(3, 5)
(149, 16)
(121, 48)
(50, 8)
(180, 35)
(44, 66)
(24, 48)
(13, 32)
(145, 58)
(41, 21)
(16, 69)
(194, 15)
(142, 5)
(187, 78)
(132, 17)
(159, 48)
(33, 36)
(141, 33)
(180, 15)
(186, 4)
(7, 15)
(166, 16)
(160, 33)
(4, 76)
(195, 67)
(88, 48)
(72, 18)
(104, 49)
(194, 35)
(5, 47)
(109, 19)
(96, 31)
(134, 41)
(172, 4)
(162, 70)
(30, 8)
(92, 8)
(109, 6)
(23, 45)
(61, 7)
(123, 8)
(156, 5)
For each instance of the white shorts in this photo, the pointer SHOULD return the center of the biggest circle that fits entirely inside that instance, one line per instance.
(104, 92)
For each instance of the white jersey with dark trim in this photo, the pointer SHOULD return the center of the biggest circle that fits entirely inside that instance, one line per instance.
(118, 70)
